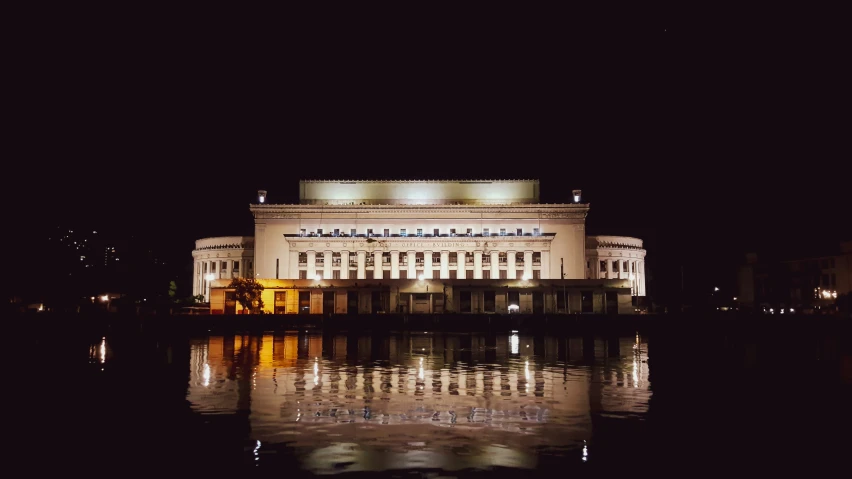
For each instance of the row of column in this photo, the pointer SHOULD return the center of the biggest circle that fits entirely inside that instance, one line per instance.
(205, 267)
(411, 266)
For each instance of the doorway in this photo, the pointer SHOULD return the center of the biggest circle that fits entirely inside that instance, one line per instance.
(328, 302)
(538, 302)
(352, 302)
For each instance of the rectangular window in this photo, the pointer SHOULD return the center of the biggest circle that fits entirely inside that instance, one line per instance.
(319, 231)
(489, 304)
(625, 267)
(303, 274)
(514, 300)
(486, 232)
(464, 301)
(250, 266)
(452, 231)
(615, 266)
(304, 302)
(536, 274)
(403, 274)
(470, 231)
(520, 232)
(536, 232)
(561, 298)
(519, 274)
(352, 232)
(825, 282)
(436, 232)
(387, 232)
(633, 267)
(504, 274)
(224, 266)
(212, 267)
(453, 273)
(303, 232)
(236, 266)
(502, 231)
(369, 232)
(403, 232)
(419, 231)
(486, 274)
(603, 266)
(335, 274)
(336, 232)
(588, 264)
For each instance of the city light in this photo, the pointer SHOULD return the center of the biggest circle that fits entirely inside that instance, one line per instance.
(735, 298)
(526, 277)
(716, 288)
(105, 298)
(317, 278)
(514, 307)
(210, 277)
(420, 277)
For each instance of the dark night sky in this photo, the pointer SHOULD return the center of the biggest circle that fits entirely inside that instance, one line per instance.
(705, 141)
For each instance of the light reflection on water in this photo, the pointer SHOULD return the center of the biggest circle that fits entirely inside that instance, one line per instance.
(358, 403)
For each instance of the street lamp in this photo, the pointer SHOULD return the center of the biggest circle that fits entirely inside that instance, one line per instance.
(716, 288)
(210, 277)
(317, 277)
(526, 277)
(105, 299)
(420, 277)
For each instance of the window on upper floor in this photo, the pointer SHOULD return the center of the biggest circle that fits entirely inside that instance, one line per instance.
(387, 232)
(603, 266)
(212, 267)
(224, 266)
(519, 232)
(403, 232)
(469, 231)
(633, 267)
(625, 267)
(236, 266)
(452, 231)
(615, 266)
(303, 232)
(336, 232)
(436, 232)
(486, 232)
(419, 231)
(502, 231)
(353, 232)
(369, 232)
(536, 232)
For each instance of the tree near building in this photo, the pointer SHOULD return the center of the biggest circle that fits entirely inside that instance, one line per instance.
(248, 294)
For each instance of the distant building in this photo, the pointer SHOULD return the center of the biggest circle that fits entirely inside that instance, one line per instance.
(422, 246)
(616, 257)
(809, 284)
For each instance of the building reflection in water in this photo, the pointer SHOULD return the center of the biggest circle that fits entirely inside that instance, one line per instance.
(360, 403)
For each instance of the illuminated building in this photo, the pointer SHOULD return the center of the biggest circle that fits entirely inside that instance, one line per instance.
(417, 246)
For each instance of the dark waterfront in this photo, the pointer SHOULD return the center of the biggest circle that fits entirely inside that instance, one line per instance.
(696, 399)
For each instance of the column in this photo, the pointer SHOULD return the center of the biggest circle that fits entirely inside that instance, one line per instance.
(445, 264)
(312, 264)
(362, 265)
(545, 265)
(477, 265)
(510, 264)
(344, 265)
(495, 264)
(427, 264)
(394, 264)
(528, 264)
(377, 264)
(461, 264)
(326, 265)
(412, 268)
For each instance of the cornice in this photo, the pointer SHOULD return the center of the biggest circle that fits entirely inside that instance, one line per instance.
(570, 210)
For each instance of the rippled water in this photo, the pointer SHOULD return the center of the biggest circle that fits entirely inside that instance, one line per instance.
(420, 400)
(453, 404)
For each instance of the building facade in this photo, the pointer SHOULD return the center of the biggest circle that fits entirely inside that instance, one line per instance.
(616, 257)
(420, 246)
(222, 258)
(810, 284)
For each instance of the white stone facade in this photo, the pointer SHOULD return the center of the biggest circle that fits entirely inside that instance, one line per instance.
(488, 229)
(616, 257)
(224, 257)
